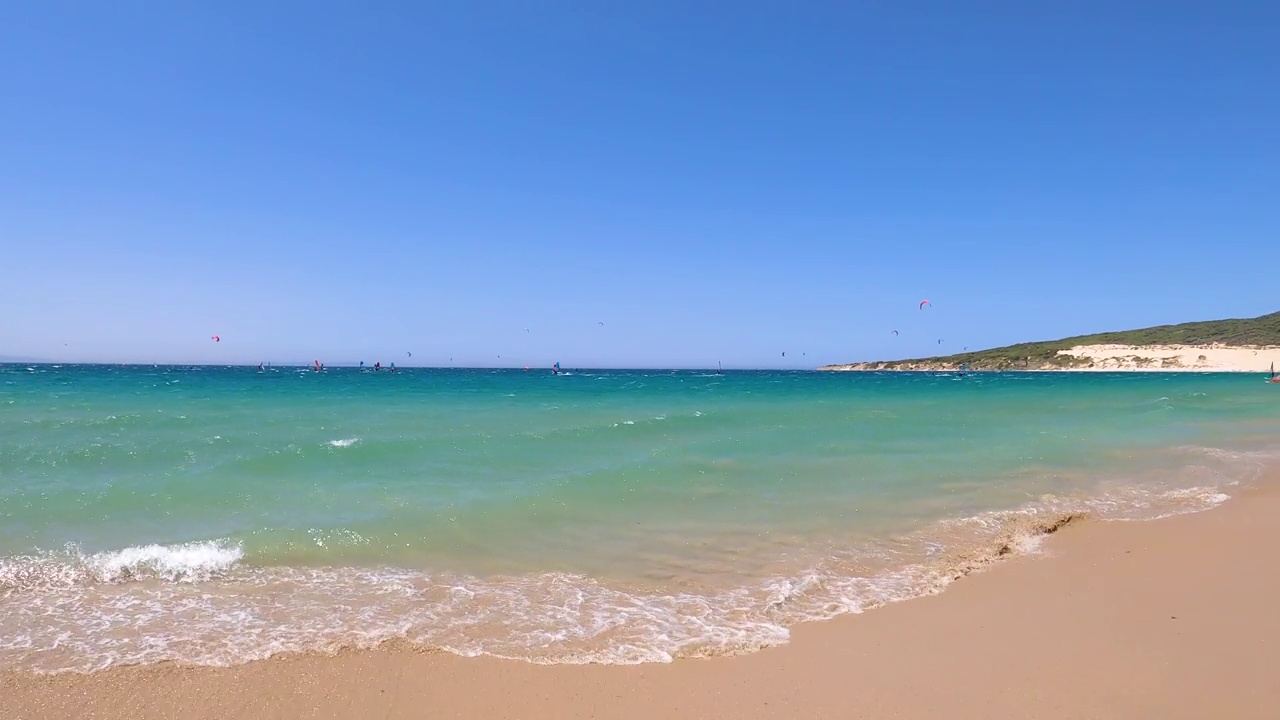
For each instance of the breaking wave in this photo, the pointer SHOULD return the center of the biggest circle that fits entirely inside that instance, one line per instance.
(186, 562)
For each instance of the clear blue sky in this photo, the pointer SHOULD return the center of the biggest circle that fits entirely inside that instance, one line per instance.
(713, 181)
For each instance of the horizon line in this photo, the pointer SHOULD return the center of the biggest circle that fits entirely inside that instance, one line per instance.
(356, 366)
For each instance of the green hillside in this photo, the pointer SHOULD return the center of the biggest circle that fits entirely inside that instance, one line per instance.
(1264, 330)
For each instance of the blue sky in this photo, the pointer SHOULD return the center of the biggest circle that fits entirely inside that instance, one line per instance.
(712, 181)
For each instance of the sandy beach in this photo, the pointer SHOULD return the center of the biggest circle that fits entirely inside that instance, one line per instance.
(1192, 358)
(1113, 358)
(1171, 618)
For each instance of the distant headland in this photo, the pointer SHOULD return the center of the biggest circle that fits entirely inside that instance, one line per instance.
(1234, 345)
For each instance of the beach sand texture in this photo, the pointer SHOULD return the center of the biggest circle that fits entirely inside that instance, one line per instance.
(1173, 618)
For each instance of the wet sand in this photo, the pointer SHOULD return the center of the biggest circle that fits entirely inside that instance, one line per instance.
(1173, 618)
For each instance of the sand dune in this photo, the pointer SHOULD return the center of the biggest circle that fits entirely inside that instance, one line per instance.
(1171, 358)
(1194, 358)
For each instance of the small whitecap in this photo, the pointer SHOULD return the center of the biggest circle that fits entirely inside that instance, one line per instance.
(184, 562)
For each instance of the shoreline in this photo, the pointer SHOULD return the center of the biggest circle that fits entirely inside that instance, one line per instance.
(740, 616)
(1116, 619)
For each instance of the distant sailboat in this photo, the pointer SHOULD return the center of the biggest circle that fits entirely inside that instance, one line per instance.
(1273, 378)
(719, 368)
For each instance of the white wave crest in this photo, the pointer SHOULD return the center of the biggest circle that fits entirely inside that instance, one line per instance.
(345, 442)
(187, 562)
(184, 562)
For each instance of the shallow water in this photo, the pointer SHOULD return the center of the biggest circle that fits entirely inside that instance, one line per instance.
(215, 515)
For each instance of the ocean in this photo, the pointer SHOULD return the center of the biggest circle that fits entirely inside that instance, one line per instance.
(212, 516)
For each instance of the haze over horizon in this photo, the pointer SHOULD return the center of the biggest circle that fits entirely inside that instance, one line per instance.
(322, 181)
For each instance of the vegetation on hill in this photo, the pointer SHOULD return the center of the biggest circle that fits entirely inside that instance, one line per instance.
(1259, 331)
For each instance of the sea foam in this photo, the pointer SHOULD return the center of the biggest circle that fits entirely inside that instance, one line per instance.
(187, 562)
(184, 562)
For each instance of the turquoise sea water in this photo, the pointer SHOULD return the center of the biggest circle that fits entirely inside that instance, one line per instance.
(215, 515)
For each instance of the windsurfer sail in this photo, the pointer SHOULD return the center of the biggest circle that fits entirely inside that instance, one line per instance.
(556, 368)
